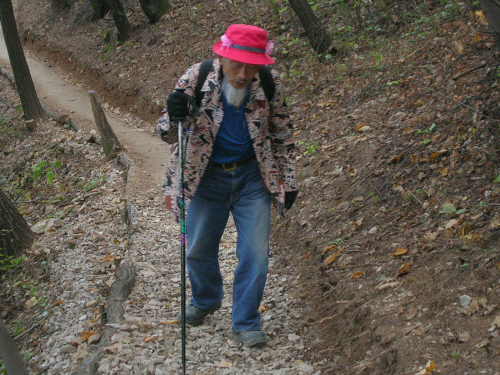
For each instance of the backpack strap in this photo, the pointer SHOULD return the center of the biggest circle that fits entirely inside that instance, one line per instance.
(266, 79)
(205, 68)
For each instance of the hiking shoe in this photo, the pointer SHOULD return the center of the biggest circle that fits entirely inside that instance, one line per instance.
(195, 315)
(252, 339)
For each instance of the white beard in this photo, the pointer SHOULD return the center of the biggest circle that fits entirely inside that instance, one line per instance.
(233, 96)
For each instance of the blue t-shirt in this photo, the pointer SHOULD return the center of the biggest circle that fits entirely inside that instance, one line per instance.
(233, 142)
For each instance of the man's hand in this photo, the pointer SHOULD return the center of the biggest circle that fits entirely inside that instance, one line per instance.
(178, 105)
(290, 197)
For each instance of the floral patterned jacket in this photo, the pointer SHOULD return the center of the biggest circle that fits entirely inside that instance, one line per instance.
(270, 130)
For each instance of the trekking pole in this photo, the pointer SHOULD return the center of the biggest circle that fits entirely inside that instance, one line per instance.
(183, 242)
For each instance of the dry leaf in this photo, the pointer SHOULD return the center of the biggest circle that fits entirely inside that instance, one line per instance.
(358, 223)
(399, 251)
(58, 303)
(31, 302)
(114, 348)
(414, 159)
(450, 224)
(357, 275)
(263, 308)
(86, 334)
(430, 367)
(96, 319)
(464, 336)
(328, 248)
(434, 155)
(481, 16)
(149, 338)
(444, 171)
(225, 364)
(307, 255)
(388, 285)
(359, 127)
(412, 313)
(332, 258)
(109, 258)
(405, 268)
(170, 322)
(496, 322)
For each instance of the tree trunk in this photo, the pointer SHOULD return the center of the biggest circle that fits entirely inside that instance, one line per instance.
(120, 19)
(154, 9)
(15, 234)
(100, 8)
(29, 98)
(491, 9)
(320, 41)
(11, 358)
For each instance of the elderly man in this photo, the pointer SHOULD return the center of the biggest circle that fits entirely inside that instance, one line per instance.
(239, 157)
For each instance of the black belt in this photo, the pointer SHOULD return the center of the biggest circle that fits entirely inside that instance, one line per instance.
(228, 167)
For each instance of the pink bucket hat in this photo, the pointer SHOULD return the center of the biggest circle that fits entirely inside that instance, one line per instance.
(245, 43)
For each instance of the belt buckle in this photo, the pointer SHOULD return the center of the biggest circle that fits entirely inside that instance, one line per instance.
(231, 168)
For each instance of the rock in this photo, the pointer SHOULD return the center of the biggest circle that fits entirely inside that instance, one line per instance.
(46, 225)
(305, 368)
(465, 300)
(68, 349)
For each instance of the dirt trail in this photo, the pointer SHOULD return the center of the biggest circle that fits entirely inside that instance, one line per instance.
(148, 153)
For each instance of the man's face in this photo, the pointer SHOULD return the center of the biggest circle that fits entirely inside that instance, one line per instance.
(238, 74)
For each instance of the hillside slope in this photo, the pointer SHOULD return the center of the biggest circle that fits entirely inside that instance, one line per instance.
(394, 237)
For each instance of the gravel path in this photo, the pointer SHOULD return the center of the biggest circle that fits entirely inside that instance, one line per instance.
(144, 338)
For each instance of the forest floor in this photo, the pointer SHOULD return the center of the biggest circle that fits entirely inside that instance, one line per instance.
(391, 250)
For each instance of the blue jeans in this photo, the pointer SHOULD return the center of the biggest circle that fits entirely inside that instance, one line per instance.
(242, 193)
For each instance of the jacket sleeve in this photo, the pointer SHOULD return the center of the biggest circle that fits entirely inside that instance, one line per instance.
(281, 132)
(166, 129)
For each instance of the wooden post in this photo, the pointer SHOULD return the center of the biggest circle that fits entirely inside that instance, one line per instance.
(110, 142)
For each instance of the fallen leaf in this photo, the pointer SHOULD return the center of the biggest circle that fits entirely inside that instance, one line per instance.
(414, 159)
(31, 302)
(496, 322)
(149, 338)
(399, 251)
(170, 322)
(58, 303)
(430, 367)
(388, 285)
(225, 364)
(404, 270)
(422, 330)
(464, 336)
(483, 343)
(109, 258)
(412, 313)
(444, 172)
(114, 348)
(96, 319)
(332, 258)
(86, 334)
(357, 275)
(450, 224)
(263, 308)
(434, 155)
(359, 127)
(328, 248)
(358, 223)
